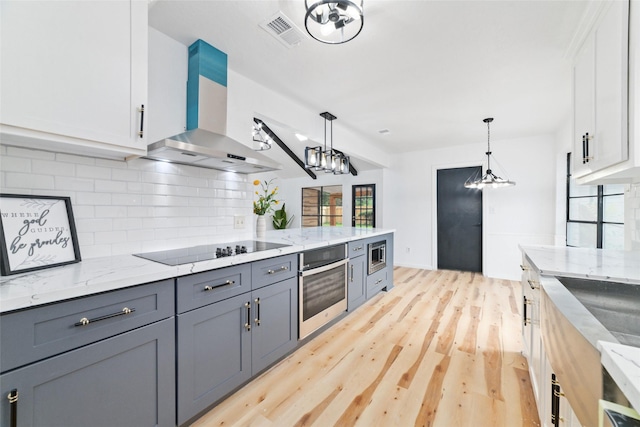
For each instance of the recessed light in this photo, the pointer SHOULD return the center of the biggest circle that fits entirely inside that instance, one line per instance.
(301, 137)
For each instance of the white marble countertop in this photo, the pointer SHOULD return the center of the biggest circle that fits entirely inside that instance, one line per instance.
(109, 273)
(597, 264)
(623, 364)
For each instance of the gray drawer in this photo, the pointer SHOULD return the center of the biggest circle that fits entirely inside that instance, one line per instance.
(198, 290)
(377, 281)
(273, 270)
(357, 248)
(37, 333)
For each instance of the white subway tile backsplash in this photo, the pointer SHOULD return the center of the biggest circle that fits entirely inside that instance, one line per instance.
(86, 171)
(134, 206)
(73, 184)
(15, 164)
(110, 186)
(32, 181)
(96, 199)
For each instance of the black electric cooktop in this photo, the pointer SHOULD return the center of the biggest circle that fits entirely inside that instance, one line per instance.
(207, 252)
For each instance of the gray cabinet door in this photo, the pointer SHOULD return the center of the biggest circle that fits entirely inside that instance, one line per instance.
(275, 327)
(127, 380)
(356, 290)
(214, 353)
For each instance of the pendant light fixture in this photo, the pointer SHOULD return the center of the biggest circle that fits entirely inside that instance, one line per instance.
(261, 137)
(489, 179)
(321, 159)
(333, 21)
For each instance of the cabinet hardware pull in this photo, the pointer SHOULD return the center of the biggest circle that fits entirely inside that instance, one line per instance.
(586, 145)
(85, 321)
(524, 267)
(257, 319)
(13, 403)
(210, 288)
(351, 273)
(247, 325)
(283, 268)
(359, 248)
(141, 110)
(379, 281)
(524, 311)
(557, 393)
(584, 150)
(534, 285)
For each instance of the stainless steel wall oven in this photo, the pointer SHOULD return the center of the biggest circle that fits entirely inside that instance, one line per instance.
(322, 287)
(377, 256)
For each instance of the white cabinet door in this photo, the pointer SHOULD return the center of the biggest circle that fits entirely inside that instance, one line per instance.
(611, 88)
(600, 93)
(75, 70)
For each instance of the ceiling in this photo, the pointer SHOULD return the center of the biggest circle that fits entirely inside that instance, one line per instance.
(427, 71)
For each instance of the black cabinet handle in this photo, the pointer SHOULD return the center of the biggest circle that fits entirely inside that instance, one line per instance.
(13, 403)
(84, 321)
(584, 149)
(247, 325)
(524, 310)
(141, 132)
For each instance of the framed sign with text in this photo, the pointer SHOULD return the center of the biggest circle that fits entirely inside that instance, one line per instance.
(36, 232)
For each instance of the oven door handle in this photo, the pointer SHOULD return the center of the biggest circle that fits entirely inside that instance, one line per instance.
(323, 268)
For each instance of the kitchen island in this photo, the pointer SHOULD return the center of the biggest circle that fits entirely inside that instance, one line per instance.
(566, 344)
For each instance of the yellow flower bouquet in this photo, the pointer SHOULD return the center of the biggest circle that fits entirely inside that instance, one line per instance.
(267, 200)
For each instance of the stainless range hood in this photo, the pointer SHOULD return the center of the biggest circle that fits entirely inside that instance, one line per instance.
(205, 143)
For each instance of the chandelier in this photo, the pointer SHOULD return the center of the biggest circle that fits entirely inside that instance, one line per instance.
(489, 179)
(333, 21)
(321, 159)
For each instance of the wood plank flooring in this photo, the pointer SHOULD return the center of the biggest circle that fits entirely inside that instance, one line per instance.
(443, 349)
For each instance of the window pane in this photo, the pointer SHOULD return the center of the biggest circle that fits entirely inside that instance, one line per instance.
(310, 221)
(581, 235)
(613, 208)
(613, 236)
(613, 189)
(582, 190)
(583, 209)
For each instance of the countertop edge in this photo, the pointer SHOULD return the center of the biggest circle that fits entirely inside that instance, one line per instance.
(623, 364)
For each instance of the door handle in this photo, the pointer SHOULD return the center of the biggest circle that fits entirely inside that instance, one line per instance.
(257, 319)
(247, 325)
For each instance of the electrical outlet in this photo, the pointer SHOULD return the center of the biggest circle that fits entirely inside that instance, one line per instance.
(408, 250)
(238, 221)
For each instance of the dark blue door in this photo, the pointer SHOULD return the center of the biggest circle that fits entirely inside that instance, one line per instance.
(459, 221)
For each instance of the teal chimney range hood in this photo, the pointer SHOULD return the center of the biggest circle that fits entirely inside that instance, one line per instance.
(205, 143)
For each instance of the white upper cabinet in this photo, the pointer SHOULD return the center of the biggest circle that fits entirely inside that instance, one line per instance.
(600, 93)
(605, 108)
(74, 76)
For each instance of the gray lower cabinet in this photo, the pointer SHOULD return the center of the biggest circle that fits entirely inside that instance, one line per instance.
(126, 380)
(376, 282)
(222, 345)
(356, 284)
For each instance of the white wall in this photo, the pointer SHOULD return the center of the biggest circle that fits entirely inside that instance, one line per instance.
(524, 214)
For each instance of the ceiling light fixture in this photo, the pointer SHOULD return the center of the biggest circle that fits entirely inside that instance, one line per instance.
(261, 137)
(489, 179)
(330, 161)
(333, 21)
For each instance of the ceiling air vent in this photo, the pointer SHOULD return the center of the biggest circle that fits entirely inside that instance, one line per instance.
(285, 31)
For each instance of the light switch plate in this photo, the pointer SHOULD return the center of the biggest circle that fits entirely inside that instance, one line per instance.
(238, 221)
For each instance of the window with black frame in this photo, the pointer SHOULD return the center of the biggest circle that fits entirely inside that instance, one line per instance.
(595, 214)
(322, 206)
(363, 206)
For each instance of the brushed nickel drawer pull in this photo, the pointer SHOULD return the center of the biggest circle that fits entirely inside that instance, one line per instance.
(379, 281)
(283, 268)
(210, 288)
(359, 248)
(85, 321)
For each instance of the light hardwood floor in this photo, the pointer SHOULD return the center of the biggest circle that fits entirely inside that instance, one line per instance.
(443, 348)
